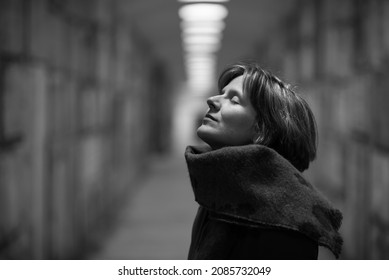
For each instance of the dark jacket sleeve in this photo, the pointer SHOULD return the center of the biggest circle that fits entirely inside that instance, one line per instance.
(214, 239)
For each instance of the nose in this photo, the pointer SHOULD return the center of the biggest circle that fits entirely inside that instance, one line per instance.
(213, 103)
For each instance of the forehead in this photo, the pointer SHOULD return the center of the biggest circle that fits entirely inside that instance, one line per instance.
(236, 84)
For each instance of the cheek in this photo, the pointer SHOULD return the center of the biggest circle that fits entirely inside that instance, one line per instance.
(239, 120)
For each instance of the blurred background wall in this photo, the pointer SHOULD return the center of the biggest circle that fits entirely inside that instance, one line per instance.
(79, 114)
(86, 100)
(338, 52)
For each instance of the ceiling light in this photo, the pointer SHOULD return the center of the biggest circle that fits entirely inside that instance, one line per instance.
(202, 12)
(201, 48)
(200, 68)
(200, 63)
(199, 57)
(206, 77)
(196, 61)
(201, 30)
(194, 1)
(207, 24)
(201, 75)
(201, 39)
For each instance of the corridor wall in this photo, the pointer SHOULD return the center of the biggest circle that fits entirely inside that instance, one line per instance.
(76, 123)
(337, 53)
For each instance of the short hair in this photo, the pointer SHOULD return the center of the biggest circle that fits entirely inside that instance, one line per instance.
(284, 121)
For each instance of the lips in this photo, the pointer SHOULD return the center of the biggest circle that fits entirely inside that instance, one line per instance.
(210, 117)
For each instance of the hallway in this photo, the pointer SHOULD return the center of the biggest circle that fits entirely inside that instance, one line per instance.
(93, 91)
(156, 222)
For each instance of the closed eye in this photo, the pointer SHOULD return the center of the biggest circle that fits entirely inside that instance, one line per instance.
(235, 100)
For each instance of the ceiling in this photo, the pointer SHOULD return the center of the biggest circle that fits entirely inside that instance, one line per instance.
(248, 23)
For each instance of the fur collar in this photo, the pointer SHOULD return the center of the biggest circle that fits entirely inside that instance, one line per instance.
(253, 185)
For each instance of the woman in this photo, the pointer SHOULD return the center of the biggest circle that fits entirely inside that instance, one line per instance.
(254, 201)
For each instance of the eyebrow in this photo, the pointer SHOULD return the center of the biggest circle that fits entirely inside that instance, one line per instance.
(233, 92)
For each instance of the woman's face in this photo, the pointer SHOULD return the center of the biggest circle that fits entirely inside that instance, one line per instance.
(230, 119)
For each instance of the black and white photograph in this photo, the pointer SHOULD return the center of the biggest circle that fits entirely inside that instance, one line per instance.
(194, 130)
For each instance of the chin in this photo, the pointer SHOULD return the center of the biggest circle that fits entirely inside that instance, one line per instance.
(201, 132)
(206, 135)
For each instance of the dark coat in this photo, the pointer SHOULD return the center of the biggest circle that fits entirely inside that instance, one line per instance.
(256, 205)
(213, 239)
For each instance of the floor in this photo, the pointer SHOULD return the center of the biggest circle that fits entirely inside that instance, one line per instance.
(156, 223)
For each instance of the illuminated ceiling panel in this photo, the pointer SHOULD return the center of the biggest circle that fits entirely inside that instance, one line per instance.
(201, 25)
